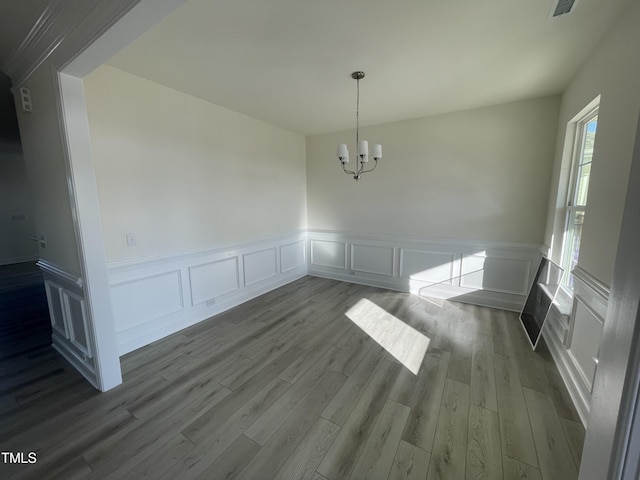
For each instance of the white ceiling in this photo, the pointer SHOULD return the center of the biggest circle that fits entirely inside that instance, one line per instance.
(288, 62)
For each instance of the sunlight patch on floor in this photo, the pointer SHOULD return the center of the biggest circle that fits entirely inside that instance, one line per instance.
(404, 342)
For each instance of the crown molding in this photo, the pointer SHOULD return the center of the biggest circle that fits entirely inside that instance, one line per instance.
(47, 33)
(70, 24)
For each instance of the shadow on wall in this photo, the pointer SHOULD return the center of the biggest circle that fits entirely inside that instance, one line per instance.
(10, 144)
(477, 272)
(17, 230)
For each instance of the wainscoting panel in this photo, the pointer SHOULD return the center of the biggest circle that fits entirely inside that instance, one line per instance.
(259, 266)
(558, 324)
(585, 340)
(330, 254)
(495, 274)
(372, 259)
(72, 335)
(79, 329)
(155, 297)
(212, 280)
(54, 299)
(484, 273)
(428, 267)
(576, 357)
(141, 300)
(292, 256)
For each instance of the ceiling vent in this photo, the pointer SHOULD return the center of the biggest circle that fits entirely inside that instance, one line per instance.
(562, 7)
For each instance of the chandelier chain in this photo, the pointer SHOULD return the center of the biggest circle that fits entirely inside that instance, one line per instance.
(357, 111)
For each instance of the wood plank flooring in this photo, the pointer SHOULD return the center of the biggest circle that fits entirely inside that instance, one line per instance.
(287, 386)
(24, 326)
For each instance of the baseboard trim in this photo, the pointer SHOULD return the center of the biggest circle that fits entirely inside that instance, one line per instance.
(85, 370)
(440, 292)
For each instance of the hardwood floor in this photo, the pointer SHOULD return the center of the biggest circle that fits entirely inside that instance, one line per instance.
(25, 326)
(287, 386)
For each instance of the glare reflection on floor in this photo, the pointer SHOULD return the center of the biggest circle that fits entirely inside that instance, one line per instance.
(404, 342)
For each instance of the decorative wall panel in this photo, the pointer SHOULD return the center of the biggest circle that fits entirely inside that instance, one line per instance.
(372, 259)
(260, 265)
(328, 254)
(212, 280)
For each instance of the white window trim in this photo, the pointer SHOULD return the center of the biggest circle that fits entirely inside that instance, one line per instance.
(578, 124)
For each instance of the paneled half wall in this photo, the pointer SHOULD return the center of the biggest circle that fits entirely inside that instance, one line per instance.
(483, 273)
(155, 297)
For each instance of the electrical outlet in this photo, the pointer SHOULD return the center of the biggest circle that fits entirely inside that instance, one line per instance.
(131, 239)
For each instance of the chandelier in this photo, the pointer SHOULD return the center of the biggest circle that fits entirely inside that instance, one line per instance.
(361, 145)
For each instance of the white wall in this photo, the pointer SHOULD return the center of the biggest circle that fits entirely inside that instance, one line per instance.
(16, 221)
(216, 200)
(612, 71)
(480, 174)
(46, 172)
(184, 174)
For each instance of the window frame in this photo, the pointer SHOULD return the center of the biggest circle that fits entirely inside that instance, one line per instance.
(571, 206)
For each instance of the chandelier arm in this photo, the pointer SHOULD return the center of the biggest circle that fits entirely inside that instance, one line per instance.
(371, 169)
(348, 171)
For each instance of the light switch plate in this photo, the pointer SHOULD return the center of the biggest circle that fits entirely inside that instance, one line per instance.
(25, 98)
(131, 239)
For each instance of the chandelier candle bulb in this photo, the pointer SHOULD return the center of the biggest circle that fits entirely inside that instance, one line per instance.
(363, 149)
(343, 152)
(377, 151)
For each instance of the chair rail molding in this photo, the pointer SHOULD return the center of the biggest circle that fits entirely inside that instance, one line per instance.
(53, 269)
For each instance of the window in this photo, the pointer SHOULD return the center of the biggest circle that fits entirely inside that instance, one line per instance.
(578, 190)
